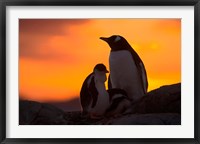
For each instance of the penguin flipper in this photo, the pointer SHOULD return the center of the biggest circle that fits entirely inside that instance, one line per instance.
(109, 83)
(143, 76)
(93, 92)
(141, 69)
(85, 96)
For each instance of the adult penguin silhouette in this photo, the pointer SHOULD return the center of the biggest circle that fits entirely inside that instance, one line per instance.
(127, 70)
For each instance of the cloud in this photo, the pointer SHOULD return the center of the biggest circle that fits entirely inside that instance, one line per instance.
(48, 26)
(36, 36)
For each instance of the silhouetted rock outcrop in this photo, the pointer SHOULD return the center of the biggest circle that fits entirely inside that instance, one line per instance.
(144, 119)
(159, 107)
(34, 113)
(166, 99)
(68, 105)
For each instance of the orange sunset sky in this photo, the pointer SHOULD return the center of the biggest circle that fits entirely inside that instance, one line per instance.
(56, 55)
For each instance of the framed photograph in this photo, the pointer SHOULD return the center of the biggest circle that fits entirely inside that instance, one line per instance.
(99, 71)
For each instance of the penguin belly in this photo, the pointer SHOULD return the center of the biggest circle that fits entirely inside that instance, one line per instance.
(102, 101)
(124, 74)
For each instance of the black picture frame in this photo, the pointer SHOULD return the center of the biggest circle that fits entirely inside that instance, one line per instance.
(5, 3)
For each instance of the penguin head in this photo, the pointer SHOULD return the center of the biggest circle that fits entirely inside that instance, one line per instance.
(100, 72)
(116, 42)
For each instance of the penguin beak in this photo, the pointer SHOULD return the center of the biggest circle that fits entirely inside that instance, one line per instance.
(106, 71)
(104, 39)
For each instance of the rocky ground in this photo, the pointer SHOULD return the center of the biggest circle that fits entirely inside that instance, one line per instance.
(159, 107)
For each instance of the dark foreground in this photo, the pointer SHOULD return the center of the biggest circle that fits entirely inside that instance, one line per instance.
(159, 107)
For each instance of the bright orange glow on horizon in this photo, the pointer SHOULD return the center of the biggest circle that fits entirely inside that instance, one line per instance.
(57, 55)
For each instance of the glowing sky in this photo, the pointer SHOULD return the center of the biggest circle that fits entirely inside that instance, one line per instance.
(56, 55)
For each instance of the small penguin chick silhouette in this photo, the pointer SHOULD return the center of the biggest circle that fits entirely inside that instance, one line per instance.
(94, 97)
(119, 102)
(127, 70)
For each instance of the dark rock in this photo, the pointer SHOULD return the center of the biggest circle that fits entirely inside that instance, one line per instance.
(69, 105)
(145, 119)
(166, 99)
(34, 113)
(158, 107)
(28, 111)
(76, 118)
